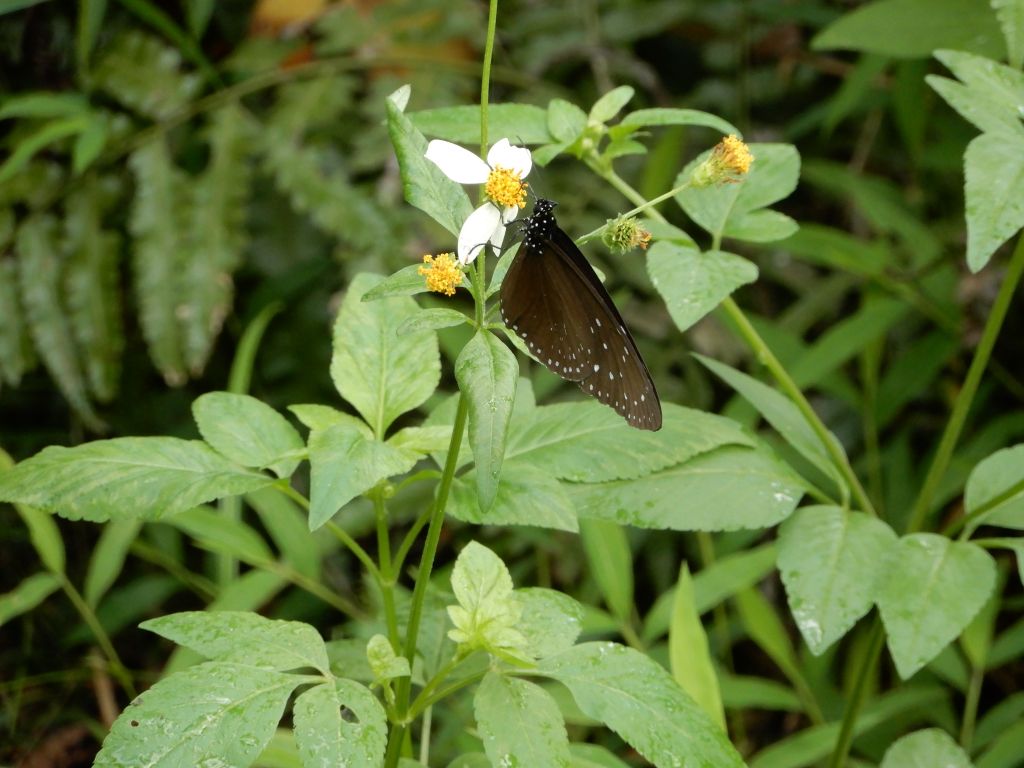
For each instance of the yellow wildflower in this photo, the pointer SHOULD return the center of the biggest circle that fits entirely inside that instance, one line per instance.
(728, 162)
(506, 188)
(442, 272)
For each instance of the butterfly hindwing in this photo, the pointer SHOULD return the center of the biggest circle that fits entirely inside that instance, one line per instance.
(551, 297)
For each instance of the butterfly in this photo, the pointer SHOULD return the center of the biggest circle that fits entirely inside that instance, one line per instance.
(552, 298)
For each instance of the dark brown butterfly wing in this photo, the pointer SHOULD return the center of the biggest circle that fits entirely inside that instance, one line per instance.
(552, 298)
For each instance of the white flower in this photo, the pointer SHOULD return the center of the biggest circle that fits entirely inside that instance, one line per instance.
(503, 175)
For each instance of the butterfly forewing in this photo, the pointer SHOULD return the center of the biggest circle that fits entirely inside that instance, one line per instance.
(553, 300)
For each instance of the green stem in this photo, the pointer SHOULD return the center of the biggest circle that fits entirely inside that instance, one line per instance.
(410, 538)
(971, 708)
(639, 209)
(485, 77)
(423, 578)
(92, 621)
(767, 357)
(386, 579)
(422, 703)
(965, 398)
(867, 668)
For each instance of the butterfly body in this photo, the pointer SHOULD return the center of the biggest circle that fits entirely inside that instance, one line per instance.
(553, 300)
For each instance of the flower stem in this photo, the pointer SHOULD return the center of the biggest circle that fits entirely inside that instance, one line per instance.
(962, 406)
(485, 78)
(423, 577)
(387, 574)
(767, 357)
(639, 209)
(860, 687)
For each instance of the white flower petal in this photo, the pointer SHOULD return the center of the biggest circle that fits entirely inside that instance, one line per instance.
(477, 231)
(514, 158)
(498, 237)
(456, 163)
(508, 215)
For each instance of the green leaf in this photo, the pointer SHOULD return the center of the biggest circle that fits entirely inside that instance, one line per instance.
(488, 613)
(611, 563)
(669, 116)
(29, 593)
(551, 620)
(1011, 18)
(157, 224)
(245, 638)
(519, 723)
(487, 373)
(423, 183)
(519, 123)
(385, 663)
(89, 144)
(1005, 750)
(586, 442)
(43, 104)
(92, 285)
(323, 416)
(566, 121)
(772, 177)
(611, 103)
(108, 558)
(996, 485)
(405, 282)
(781, 413)
(247, 431)
(594, 756)
(914, 28)
(16, 354)
(742, 692)
(726, 489)
(144, 478)
(216, 233)
(934, 589)
(832, 563)
(994, 191)
(989, 94)
(381, 373)
(761, 227)
(220, 533)
(637, 699)
(527, 495)
(326, 738)
(694, 283)
(213, 711)
(344, 464)
(712, 586)
(40, 270)
(688, 651)
(767, 630)
(288, 527)
(39, 139)
(45, 537)
(198, 13)
(925, 749)
(433, 319)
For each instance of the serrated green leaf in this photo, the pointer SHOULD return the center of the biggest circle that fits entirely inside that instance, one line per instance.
(519, 723)
(925, 749)
(694, 283)
(247, 431)
(519, 123)
(433, 319)
(381, 373)
(565, 120)
(670, 116)
(997, 484)
(761, 227)
(327, 739)
(726, 489)
(610, 562)
(108, 558)
(142, 73)
(611, 103)
(385, 663)
(316, 416)
(425, 186)
(216, 710)
(551, 620)
(832, 564)
(1011, 18)
(637, 699)
(914, 28)
(92, 285)
(216, 234)
(29, 593)
(935, 587)
(772, 177)
(488, 613)
(527, 495)
(157, 224)
(40, 269)
(688, 651)
(989, 93)
(126, 478)
(487, 373)
(586, 442)
(994, 191)
(344, 464)
(244, 638)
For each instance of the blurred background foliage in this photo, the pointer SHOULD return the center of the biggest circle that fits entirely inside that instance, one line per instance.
(172, 169)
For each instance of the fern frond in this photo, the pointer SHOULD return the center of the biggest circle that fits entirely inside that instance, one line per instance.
(143, 74)
(40, 267)
(93, 291)
(157, 224)
(217, 234)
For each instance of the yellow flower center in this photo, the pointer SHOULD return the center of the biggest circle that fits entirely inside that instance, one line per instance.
(442, 272)
(728, 163)
(505, 188)
(735, 155)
